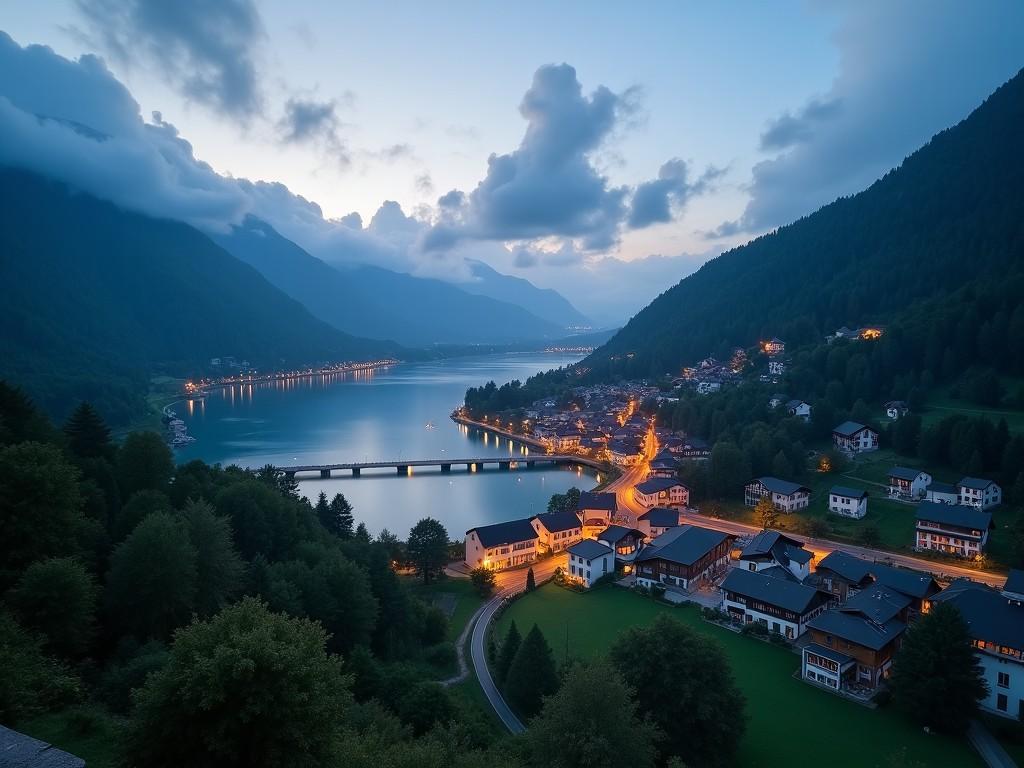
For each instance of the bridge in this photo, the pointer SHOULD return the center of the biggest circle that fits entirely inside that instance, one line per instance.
(405, 466)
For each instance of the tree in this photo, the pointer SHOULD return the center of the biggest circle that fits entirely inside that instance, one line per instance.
(532, 675)
(144, 462)
(362, 535)
(936, 676)
(483, 580)
(279, 480)
(766, 513)
(245, 688)
(395, 549)
(729, 469)
(262, 521)
(151, 587)
(564, 502)
(688, 690)
(57, 597)
(336, 517)
(141, 505)
(531, 581)
(567, 735)
(507, 653)
(906, 433)
(781, 466)
(219, 569)
(87, 435)
(425, 705)
(31, 681)
(870, 536)
(427, 548)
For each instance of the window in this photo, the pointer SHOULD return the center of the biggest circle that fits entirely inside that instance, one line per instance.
(1004, 680)
(1001, 702)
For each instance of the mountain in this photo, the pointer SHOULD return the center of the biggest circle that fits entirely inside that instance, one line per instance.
(545, 303)
(94, 298)
(944, 226)
(380, 303)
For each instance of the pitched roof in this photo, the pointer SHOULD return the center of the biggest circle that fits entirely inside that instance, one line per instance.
(504, 533)
(789, 595)
(764, 544)
(657, 485)
(857, 629)
(905, 473)
(775, 485)
(878, 603)
(591, 500)
(21, 751)
(1014, 582)
(911, 583)
(975, 483)
(842, 490)
(957, 515)
(843, 564)
(935, 487)
(589, 549)
(558, 521)
(661, 517)
(828, 653)
(989, 615)
(849, 428)
(684, 545)
(616, 533)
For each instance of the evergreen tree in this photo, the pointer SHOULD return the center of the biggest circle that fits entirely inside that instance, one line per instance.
(219, 569)
(362, 535)
(427, 548)
(322, 509)
(531, 582)
(936, 676)
(144, 462)
(338, 518)
(532, 675)
(507, 653)
(87, 435)
(57, 597)
(781, 466)
(280, 480)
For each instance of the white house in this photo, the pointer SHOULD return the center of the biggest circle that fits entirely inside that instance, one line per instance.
(657, 521)
(770, 551)
(661, 492)
(776, 367)
(596, 509)
(954, 529)
(776, 400)
(979, 492)
(906, 483)
(848, 502)
(707, 386)
(995, 620)
(787, 496)
(557, 530)
(589, 560)
(502, 545)
(800, 409)
(780, 604)
(942, 493)
(853, 437)
(896, 409)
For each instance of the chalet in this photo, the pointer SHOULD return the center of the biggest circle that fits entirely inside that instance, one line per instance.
(502, 545)
(785, 495)
(597, 509)
(776, 367)
(995, 620)
(782, 605)
(853, 437)
(906, 483)
(799, 408)
(848, 502)
(665, 464)
(565, 440)
(776, 400)
(978, 492)
(914, 584)
(624, 453)
(707, 386)
(557, 530)
(843, 574)
(694, 448)
(589, 560)
(774, 346)
(654, 522)
(661, 492)
(942, 493)
(627, 542)
(955, 529)
(684, 557)
(854, 645)
(771, 549)
(896, 409)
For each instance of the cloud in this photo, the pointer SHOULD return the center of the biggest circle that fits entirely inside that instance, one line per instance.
(424, 184)
(660, 200)
(315, 123)
(907, 70)
(206, 50)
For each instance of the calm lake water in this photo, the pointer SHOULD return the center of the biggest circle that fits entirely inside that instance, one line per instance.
(400, 412)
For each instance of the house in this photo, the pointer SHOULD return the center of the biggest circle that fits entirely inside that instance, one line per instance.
(502, 545)
(995, 620)
(853, 437)
(661, 492)
(843, 574)
(942, 493)
(776, 400)
(624, 453)
(854, 644)
(627, 542)
(782, 605)
(654, 522)
(596, 509)
(683, 557)
(785, 495)
(906, 483)
(799, 408)
(771, 549)
(955, 529)
(896, 409)
(566, 440)
(589, 560)
(848, 502)
(914, 584)
(707, 386)
(557, 530)
(978, 492)
(774, 346)
(18, 750)
(694, 448)
(665, 464)
(776, 367)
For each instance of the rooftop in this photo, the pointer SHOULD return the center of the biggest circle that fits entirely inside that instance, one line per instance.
(613, 534)
(589, 549)
(849, 428)
(775, 485)
(975, 483)
(603, 501)
(849, 567)
(504, 533)
(842, 490)
(905, 473)
(657, 485)
(788, 595)
(990, 616)
(857, 629)
(558, 521)
(956, 515)
(661, 517)
(685, 545)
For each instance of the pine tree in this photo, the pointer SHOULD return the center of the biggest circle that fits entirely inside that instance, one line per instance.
(362, 535)
(531, 582)
(507, 653)
(87, 434)
(781, 466)
(340, 520)
(532, 675)
(323, 510)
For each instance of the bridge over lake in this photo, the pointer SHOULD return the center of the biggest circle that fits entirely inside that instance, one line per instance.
(405, 466)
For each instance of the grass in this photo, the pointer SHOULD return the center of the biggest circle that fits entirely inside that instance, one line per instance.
(784, 713)
(88, 734)
(461, 590)
(941, 404)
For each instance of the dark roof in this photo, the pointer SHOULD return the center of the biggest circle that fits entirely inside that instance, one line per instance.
(976, 483)
(911, 583)
(905, 473)
(843, 564)
(558, 521)
(685, 545)
(842, 490)
(798, 554)
(505, 533)
(942, 488)
(775, 485)
(989, 615)
(20, 751)
(616, 533)
(828, 653)
(849, 428)
(957, 515)
(857, 629)
(878, 603)
(589, 549)
(1014, 582)
(590, 500)
(776, 545)
(789, 595)
(661, 517)
(657, 484)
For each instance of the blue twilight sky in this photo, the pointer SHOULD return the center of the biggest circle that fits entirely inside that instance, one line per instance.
(603, 149)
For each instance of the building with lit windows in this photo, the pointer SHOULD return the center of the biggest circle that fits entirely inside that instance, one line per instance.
(954, 529)
(979, 492)
(502, 545)
(781, 604)
(589, 560)
(786, 496)
(557, 530)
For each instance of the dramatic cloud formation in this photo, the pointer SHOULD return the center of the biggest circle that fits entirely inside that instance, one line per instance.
(205, 49)
(907, 70)
(660, 200)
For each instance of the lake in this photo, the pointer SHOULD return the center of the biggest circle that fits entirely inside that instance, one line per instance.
(400, 412)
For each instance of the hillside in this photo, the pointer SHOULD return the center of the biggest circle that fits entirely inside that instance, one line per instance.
(545, 303)
(380, 303)
(948, 220)
(94, 299)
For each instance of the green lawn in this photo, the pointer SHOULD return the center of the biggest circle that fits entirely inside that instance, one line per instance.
(443, 592)
(940, 405)
(787, 717)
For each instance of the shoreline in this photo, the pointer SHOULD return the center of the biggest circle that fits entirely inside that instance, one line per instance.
(203, 388)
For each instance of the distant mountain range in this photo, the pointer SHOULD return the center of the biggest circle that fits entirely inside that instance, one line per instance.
(947, 223)
(546, 303)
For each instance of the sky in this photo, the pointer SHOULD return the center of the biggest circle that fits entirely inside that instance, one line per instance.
(602, 149)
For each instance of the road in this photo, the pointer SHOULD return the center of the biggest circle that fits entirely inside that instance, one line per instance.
(622, 486)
